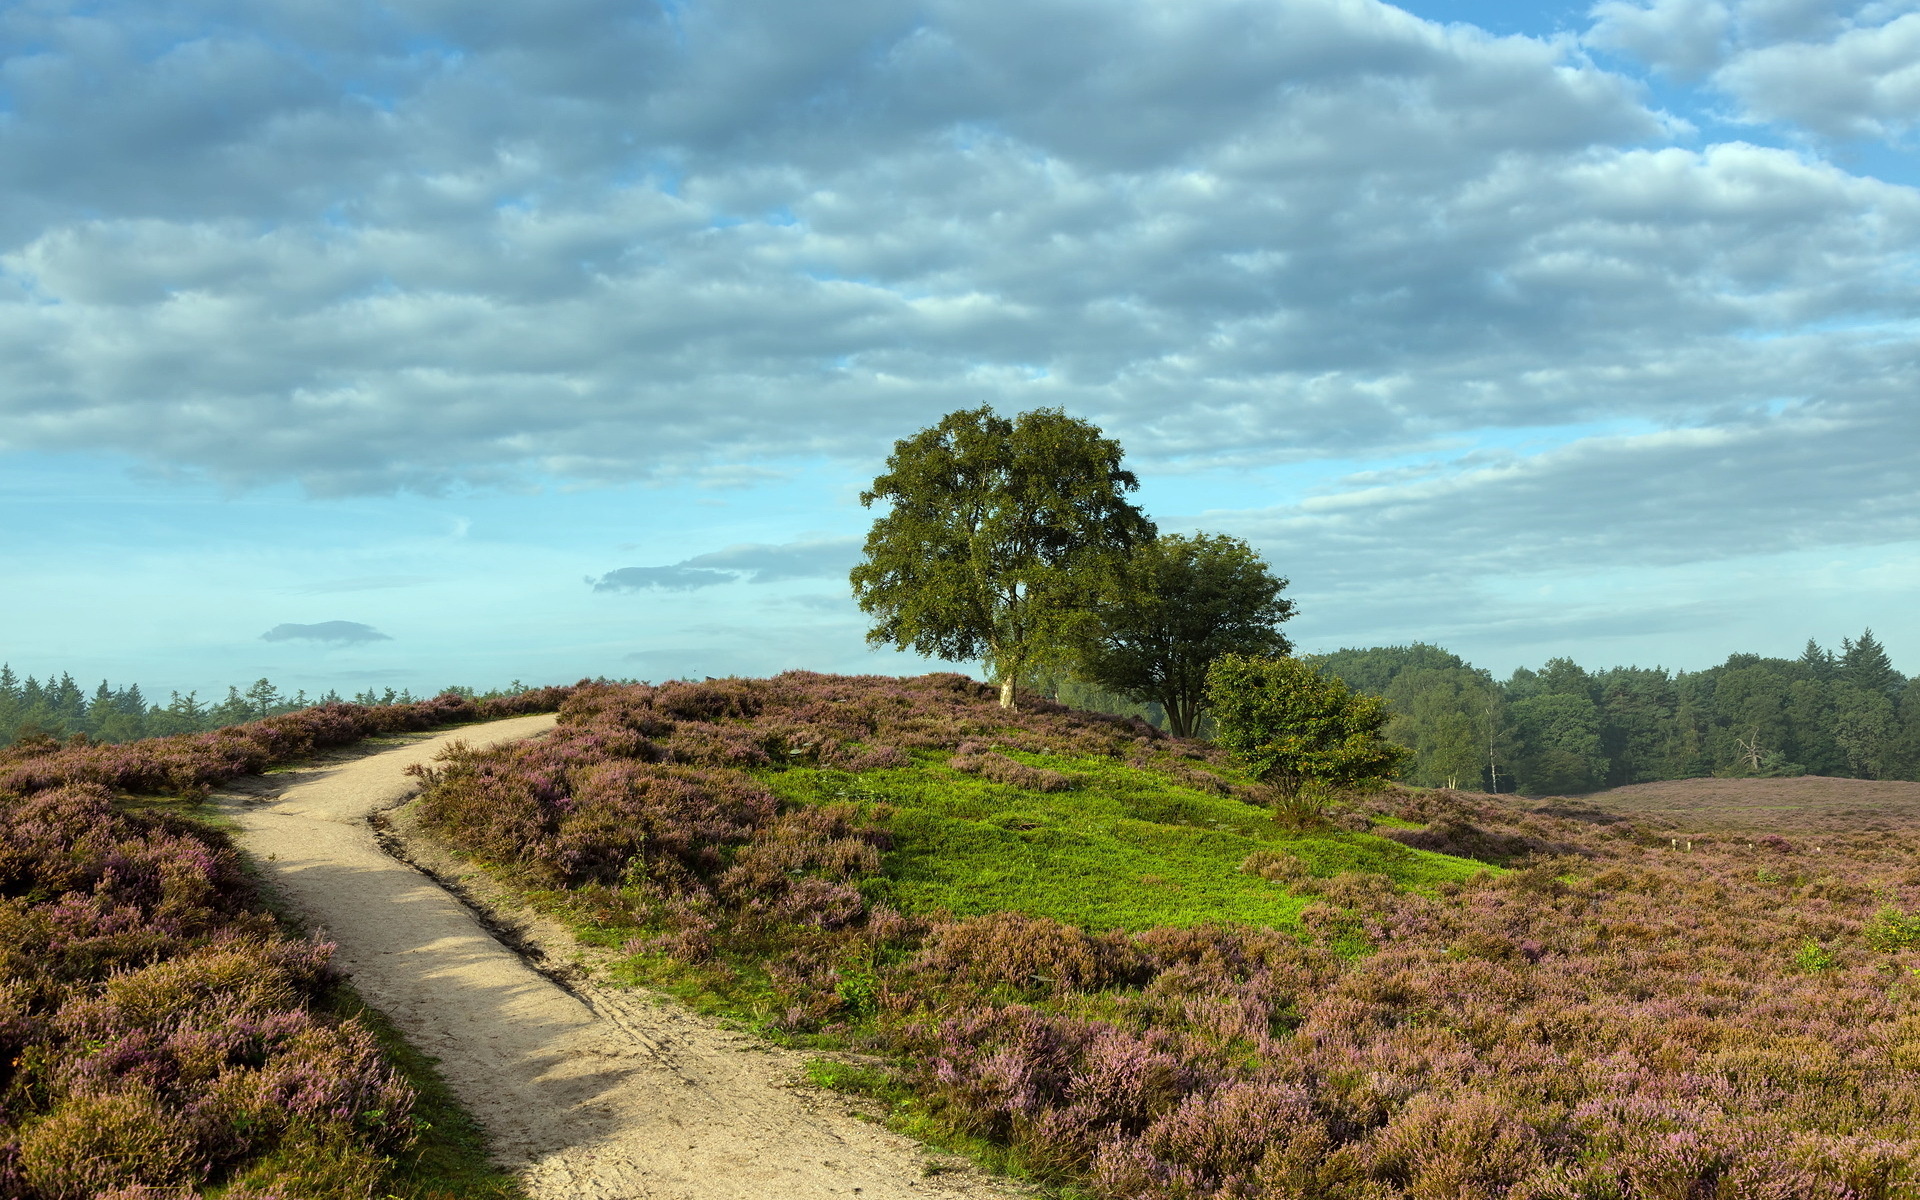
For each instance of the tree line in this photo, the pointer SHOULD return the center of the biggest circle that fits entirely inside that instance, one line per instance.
(1565, 729)
(59, 708)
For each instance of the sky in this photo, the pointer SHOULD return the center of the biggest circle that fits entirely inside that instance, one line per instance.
(416, 343)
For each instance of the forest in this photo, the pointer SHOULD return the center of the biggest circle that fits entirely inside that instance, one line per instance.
(60, 708)
(1564, 729)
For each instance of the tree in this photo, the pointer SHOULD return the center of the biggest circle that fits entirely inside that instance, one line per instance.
(1559, 743)
(997, 533)
(1175, 605)
(1865, 665)
(1306, 735)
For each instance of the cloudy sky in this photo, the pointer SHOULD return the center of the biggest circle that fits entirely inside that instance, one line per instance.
(419, 342)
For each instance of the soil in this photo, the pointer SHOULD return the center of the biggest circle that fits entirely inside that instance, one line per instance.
(590, 1091)
(1803, 804)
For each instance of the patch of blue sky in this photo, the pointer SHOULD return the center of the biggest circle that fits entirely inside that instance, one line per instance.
(1890, 162)
(1505, 17)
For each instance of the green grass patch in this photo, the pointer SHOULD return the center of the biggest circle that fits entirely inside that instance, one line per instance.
(1126, 848)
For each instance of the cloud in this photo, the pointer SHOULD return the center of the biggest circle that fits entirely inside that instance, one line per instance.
(754, 563)
(458, 248)
(676, 578)
(824, 559)
(1685, 38)
(1837, 71)
(339, 633)
(1862, 83)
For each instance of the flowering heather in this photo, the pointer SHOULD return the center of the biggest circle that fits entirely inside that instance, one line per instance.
(157, 1029)
(1620, 1014)
(194, 763)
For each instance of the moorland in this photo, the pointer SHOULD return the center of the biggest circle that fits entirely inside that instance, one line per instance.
(1063, 942)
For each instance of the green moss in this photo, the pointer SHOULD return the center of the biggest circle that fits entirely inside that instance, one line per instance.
(1126, 848)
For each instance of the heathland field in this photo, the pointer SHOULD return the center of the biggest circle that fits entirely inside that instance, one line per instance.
(1074, 947)
(1070, 946)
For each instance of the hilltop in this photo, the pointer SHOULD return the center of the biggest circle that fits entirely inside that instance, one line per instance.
(1081, 953)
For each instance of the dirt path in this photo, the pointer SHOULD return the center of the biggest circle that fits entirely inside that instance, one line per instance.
(600, 1094)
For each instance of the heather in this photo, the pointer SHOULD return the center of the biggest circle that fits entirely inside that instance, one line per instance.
(1135, 985)
(160, 1031)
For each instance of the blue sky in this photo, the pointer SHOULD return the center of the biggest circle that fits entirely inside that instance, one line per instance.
(1526, 330)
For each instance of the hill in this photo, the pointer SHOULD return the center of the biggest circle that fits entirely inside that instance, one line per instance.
(1071, 945)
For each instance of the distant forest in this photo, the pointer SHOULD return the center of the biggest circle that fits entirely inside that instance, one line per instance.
(61, 708)
(1564, 729)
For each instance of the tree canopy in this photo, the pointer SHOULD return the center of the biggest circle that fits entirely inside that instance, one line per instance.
(1305, 734)
(1175, 605)
(997, 534)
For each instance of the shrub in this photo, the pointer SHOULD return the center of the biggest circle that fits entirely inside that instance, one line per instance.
(1890, 930)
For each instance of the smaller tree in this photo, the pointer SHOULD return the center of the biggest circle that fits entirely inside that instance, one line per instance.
(1307, 736)
(1176, 605)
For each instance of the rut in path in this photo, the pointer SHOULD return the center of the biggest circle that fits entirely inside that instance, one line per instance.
(593, 1093)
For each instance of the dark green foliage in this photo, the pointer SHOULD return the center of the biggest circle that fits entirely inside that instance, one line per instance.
(1564, 729)
(1305, 734)
(1177, 604)
(997, 535)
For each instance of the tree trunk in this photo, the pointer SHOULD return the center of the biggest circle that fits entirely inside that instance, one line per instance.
(1006, 691)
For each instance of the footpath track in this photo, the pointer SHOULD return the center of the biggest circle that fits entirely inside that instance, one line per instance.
(592, 1093)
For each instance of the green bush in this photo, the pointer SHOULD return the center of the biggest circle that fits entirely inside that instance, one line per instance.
(1890, 929)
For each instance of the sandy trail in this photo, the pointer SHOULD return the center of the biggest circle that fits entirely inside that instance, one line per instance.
(593, 1093)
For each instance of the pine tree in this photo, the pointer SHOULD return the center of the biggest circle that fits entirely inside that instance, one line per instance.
(1865, 665)
(1817, 661)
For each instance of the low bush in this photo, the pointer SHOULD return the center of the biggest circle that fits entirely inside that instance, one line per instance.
(156, 1029)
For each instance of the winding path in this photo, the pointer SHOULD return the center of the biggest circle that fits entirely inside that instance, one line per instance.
(594, 1093)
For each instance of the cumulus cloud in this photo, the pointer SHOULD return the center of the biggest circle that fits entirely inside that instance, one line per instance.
(754, 563)
(1686, 38)
(1838, 71)
(467, 247)
(337, 633)
(1862, 83)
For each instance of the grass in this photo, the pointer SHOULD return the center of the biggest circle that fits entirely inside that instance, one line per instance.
(1126, 848)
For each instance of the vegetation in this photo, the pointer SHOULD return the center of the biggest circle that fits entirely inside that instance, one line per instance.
(31, 710)
(159, 1029)
(191, 764)
(1176, 605)
(1562, 729)
(995, 531)
(1021, 913)
(1307, 736)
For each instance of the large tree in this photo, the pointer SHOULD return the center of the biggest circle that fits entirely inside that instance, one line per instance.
(1176, 604)
(997, 534)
